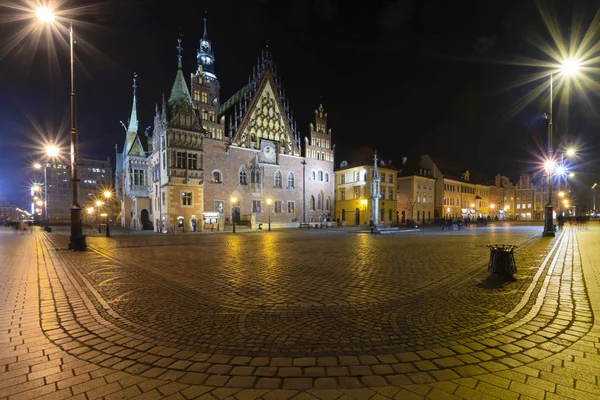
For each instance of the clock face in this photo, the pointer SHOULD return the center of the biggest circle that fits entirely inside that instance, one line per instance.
(269, 152)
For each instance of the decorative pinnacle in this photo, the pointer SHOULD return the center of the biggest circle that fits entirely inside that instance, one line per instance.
(134, 86)
(204, 36)
(179, 49)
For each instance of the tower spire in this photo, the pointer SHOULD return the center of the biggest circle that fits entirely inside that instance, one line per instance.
(133, 120)
(179, 56)
(204, 35)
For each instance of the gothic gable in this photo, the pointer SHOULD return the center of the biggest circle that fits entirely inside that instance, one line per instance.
(136, 148)
(266, 119)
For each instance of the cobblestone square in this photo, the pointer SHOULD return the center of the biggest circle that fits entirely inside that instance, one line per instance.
(300, 314)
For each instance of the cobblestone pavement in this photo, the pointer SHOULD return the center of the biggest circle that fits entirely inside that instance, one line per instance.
(302, 315)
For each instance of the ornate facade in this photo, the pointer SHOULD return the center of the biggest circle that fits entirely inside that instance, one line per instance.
(243, 160)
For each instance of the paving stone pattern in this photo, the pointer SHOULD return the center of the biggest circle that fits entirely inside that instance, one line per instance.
(299, 315)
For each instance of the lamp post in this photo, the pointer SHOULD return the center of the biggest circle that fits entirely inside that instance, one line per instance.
(77, 239)
(303, 191)
(107, 196)
(52, 152)
(594, 199)
(270, 204)
(568, 67)
(233, 203)
(98, 205)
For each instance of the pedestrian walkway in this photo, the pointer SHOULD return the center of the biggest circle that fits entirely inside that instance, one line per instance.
(60, 338)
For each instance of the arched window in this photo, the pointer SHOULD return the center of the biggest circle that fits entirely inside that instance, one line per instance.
(326, 177)
(313, 175)
(217, 177)
(343, 214)
(403, 216)
(320, 176)
(242, 174)
(311, 203)
(328, 204)
(291, 180)
(319, 201)
(318, 156)
(390, 215)
(382, 214)
(278, 178)
(255, 176)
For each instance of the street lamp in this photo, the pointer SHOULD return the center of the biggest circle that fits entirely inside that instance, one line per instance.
(52, 152)
(233, 203)
(98, 204)
(107, 196)
(269, 203)
(569, 67)
(77, 239)
(594, 199)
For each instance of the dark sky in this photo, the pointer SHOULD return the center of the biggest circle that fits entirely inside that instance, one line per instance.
(407, 77)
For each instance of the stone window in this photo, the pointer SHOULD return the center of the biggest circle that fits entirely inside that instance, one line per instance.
(320, 176)
(205, 97)
(277, 206)
(138, 176)
(319, 201)
(313, 175)
(342, 194)
(391, 194)
(343, 214)
(242, 174)
(217, 177)
(256, 206)
(290, 180)
(186, 198)
(343, 178)
(192, 161)
(311, 203)
(383, 177)
(180, 159)
(391, 178)
(357, 193)
(219, 206)
(328, 204)
(290, 207)
(278, 178)
(326, 177)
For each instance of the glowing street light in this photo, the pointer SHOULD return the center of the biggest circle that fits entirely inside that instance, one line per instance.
(570, 67)
(77, 239)
(570, 152)
(52, 151)
(44, 14)
(561, 194)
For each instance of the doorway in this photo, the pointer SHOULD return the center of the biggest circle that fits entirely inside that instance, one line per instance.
(357, 217)
(145, 220)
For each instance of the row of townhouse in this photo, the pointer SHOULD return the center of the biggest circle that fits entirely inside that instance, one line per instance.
(431, 189)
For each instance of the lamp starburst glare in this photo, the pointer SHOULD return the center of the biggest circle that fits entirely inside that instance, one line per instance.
(44, 14)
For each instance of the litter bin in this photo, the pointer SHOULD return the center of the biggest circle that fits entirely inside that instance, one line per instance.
(502, 260)
(259, 226)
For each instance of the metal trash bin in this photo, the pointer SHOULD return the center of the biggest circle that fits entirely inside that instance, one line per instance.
(502, 260)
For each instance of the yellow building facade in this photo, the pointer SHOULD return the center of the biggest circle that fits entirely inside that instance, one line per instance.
(465, 199)
(415, 198)
(354, 201)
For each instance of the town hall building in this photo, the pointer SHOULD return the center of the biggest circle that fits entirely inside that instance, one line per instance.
(209, 163)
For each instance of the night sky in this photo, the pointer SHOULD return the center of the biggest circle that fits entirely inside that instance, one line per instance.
(406, 77)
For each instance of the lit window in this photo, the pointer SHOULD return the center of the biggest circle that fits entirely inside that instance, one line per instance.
(256, 206)
(290, 180)
(217, 177)
(290, 207)
(186, 198)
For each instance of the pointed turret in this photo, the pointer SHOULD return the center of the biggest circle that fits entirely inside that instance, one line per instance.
(206, 58)
(180, 95)
(132, 128)
(180, 111)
